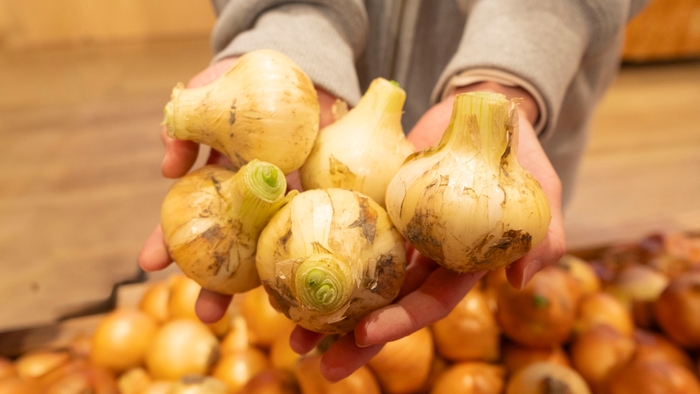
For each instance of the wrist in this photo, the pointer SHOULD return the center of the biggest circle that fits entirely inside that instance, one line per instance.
(527, 108)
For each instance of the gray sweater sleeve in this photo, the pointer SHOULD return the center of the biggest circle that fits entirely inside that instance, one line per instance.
(541, 41)
(324, 37)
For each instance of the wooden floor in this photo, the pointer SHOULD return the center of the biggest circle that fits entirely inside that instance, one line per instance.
(80, 184)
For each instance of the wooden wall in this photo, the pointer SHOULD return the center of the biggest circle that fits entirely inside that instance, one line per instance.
(39, 23)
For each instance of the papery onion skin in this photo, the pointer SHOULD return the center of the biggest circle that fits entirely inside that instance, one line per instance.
(264, 107)
(466, 203)
(330, 257)
(364, 149)
(211, 220)
(403, 366)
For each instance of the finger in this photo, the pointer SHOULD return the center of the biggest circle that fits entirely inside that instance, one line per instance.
(438, 295)
(179, 156)
(344, 357)
(211, 306)
(303, 341)
(417, 269)
(211, 73)
(216, 157)
(294, 182)
(154, 254)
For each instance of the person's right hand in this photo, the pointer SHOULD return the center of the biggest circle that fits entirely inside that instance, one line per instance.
(179, 158)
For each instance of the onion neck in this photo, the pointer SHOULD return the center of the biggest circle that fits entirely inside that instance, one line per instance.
(180, 111)
(480, 122)
(323, 283)
(257, 193)
(382, 105)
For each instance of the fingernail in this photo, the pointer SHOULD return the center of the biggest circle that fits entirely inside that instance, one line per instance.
(359, 339)
(530, 270)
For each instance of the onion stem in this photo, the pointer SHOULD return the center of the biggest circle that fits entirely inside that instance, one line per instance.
(323, 283)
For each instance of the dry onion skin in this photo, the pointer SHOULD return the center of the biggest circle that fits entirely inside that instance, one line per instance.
(211, 220)
(122, 339)
(330, 257)
(403, 366)
(653, 377)
(542, 314)
(678, 310)
(182, 347)
(547, 378)
(466, 202)
(470, 331)
(471, 378)
(311, 381)
(600, 351)
(365, 148)
(264, 107)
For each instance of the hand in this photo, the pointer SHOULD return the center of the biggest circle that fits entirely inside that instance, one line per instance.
(430, 292)
(179, 158)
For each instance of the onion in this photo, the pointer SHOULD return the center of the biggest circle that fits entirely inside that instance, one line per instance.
(134, 381)
(80, 346)
(515, 356)
(602, 308)
(582, 272)
(469, 331)
(18, 385)
(678, 309)
(403, 366)
(211, 220)
(155, 301)
(491, 283)
(7, 368)
(265, 323)
(471, 378)
(159, 387)
(600, 351)
(263, 108)
(655, 347)
(182, 347)
(638, 287)
(122, 338)
(311, 381)
(197, 384)
(330, 257)
(546, 378)
(272, 381)
(653, 377)
(466, 203)
(541, 314)
(236, 369)
(79, 376)
(181, 304)
(237, 338)
(38, 363)
(364, 149)
(281, 354)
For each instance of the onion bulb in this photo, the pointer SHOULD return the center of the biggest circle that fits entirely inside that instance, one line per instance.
(547, 378)
(79, 376)
(236, 369)
(122, 339)
(638, 287)
(272, 381)
(183, 294)
(469, 331)
(653, 377)
(364, 149)
(651, 346)
(264, 107)
(678, 310)
(18, 385)
(134, 381)
(600, 351)
(603, 308)
(466, 202)
(282, 356)
(155, 300)
(237, 338)
(182, 347)
(471, 378)
(311, 381)
(159, 387)
(265, 323)
(330, 257)
(211, 219)
(38, 363)
(198, 384)
(403, 366)
(582, 271)
(515, 356)
(542, 313)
